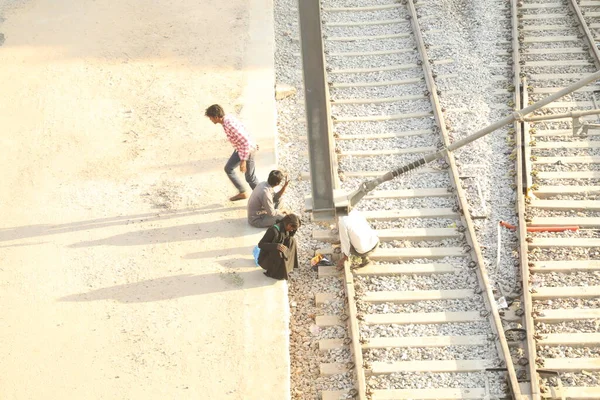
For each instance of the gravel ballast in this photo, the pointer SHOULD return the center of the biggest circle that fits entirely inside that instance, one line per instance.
(469, 31)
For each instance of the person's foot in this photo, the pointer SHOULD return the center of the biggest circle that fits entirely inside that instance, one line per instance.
(366, 262)
(239, 196)
(342, 264)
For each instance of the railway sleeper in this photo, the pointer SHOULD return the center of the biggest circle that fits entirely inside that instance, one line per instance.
(413, 394)
(395, 269)
(547, 292)
(564, 266)
(398, 234)
(590, 205)
(405, 342)
(573, 392)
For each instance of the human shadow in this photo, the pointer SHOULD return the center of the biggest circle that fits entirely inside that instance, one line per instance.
(225, 228)
(30, 231)
(173, 287)
(244, 250)
(195, 167)
(22, 244)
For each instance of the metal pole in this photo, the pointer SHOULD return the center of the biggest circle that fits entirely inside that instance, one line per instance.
(366, 187)
(519, 115)
(571, 114)
(316, 94)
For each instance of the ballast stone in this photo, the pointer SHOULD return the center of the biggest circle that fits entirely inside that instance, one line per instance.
(282, 91)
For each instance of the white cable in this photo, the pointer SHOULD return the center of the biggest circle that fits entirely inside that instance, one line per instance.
(499, 244)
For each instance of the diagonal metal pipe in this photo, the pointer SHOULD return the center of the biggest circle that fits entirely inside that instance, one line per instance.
(366, 187)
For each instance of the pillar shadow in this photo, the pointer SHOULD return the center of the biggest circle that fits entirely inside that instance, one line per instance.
(30, 231)
(226, 228)
(243, 250)
(172, 287)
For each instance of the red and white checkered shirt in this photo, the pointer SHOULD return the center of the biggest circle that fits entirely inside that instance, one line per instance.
(238, 136)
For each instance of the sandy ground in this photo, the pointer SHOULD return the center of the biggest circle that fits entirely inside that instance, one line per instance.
(124, 271)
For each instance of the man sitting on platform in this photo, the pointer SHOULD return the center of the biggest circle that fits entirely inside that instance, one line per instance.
(264, 205)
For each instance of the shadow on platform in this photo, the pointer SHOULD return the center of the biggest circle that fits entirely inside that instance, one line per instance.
(31, 231)
(173, 287)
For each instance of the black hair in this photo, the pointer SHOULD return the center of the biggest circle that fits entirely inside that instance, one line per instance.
(215, 111)
(292, 219)
(275, 178)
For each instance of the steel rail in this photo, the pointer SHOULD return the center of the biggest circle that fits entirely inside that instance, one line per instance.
(353, 328)
(586, 32)
(482, 275)
(521, 172)
(523, 193)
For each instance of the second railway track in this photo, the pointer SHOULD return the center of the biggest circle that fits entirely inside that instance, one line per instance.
(561, 181)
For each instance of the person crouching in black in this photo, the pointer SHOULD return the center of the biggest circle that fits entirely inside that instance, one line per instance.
(278, 255)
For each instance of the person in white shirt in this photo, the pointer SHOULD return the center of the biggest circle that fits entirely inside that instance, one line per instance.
(357, 238)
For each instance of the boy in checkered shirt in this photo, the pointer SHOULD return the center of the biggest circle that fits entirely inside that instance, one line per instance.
(243, 155)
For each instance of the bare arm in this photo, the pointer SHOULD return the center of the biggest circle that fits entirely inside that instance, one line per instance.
(269, 205)
(279, 194)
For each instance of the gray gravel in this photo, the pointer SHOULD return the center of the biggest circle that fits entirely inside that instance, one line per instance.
(470, 105)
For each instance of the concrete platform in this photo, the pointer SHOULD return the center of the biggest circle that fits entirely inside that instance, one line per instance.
(125, 273)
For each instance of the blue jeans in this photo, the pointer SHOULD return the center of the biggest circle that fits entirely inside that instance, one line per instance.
(233, 163)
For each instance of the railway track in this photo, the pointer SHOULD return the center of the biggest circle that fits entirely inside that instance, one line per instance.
(560, 176)
(423, 322)
(420, 321)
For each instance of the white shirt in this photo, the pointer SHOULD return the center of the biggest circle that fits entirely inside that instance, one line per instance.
(356, 231)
